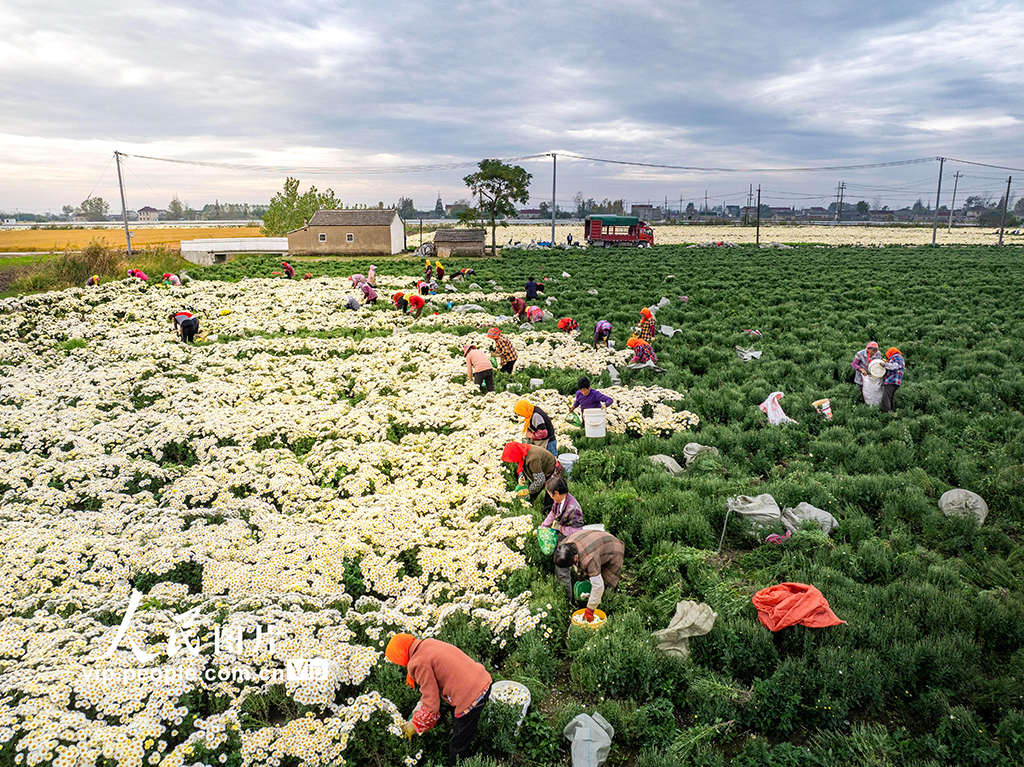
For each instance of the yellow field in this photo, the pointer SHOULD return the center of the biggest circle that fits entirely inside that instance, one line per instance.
(46, 240)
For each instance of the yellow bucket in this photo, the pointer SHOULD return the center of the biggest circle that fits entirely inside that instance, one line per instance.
(577, 619)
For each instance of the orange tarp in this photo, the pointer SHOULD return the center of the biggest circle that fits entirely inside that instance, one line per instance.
(790, 603)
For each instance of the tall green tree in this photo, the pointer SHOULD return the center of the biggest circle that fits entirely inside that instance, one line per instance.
(290, 210)
(863, 207)
(499, 187)
(94, 209)
(175, 210)
(406, 208)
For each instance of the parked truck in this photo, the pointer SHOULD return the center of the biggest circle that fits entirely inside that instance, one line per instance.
(606, 230)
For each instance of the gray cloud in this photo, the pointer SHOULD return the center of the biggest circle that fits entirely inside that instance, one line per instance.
(337, 84)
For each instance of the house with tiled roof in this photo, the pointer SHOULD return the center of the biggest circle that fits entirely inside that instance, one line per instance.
(330, 232)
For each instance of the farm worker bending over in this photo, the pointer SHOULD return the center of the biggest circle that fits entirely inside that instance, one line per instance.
(478, 367)
(416, 304)
(371, 276)
(171, 279)
(536, 466)
(357, 279)
(186, 325)
(440, 271)
(895, 368)
(428, 271)
(587, 398)
(862, 359)
(568, 324)
(566, 516)
(518, 307)
(92, 281)
(602, 331)
(353, 304)
(369, 293)
(400, 302)
(642, 351)
(444, 673)
(138, 274)
(505, 350)
(422, 288)
(531, 289)
(537, 425)
(289, 270)
(645, 330)
(596, 555)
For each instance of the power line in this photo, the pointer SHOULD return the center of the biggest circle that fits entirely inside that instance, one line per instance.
(754, 170)
(355, 170)
(101, 177)
(985, 165)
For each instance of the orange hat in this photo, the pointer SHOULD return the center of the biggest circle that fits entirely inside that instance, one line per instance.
(632, 342)
(645, 312)
(398, 296)
(892, 350)
(494, 333)
(397, 652)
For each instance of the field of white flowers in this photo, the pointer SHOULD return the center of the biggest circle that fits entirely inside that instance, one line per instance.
(314, 477)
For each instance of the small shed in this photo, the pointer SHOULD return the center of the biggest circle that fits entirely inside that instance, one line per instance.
(459, 242)
(349, 231)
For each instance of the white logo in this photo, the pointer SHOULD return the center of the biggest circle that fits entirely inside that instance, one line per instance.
(307, 669)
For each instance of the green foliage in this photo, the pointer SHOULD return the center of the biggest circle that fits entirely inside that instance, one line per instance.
(289, 210)
(499, 187)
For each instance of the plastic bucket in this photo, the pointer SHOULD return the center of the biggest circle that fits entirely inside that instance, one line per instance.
(594, 422)
(581, 590)
(511, 693)
(536, 383)
(547, 539)
(824, 406)
(577, 619)
(568, 460)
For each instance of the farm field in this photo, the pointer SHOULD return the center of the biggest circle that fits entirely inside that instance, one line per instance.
(330, 477)
(825, 235)
(47, 240)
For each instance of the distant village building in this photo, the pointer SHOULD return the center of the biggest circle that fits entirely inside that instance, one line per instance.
(530, 213)
(349, 231)
(646, 212)
(459, 242)
(149, 214)
(453, 210)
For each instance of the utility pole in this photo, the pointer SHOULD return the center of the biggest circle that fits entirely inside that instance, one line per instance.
(124, 206)
(840, 192)
(759, 215)
(421, 230)
(705, 202)
(750, 199)
(935, 221)
(554, 208)
(1006, 202)
(952, 204)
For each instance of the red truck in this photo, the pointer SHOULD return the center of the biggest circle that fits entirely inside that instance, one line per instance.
(606, 230)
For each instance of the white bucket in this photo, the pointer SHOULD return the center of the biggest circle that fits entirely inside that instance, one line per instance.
(536, 383)
(568, 460)
(593, 422)
(499, 690)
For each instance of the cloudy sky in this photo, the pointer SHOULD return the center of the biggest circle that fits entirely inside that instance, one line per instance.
(319, 87)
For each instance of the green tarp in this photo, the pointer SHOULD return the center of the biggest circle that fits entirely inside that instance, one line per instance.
(610, 219)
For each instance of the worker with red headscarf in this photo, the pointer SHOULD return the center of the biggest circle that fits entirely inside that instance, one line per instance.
(645, 330)
(895, 368)
(504, 349)
(642, 351)
(289, 270)
(535, 466)
(400, 301)
(568, 324)
(138, 274)
(443, 673)
(171, 279)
